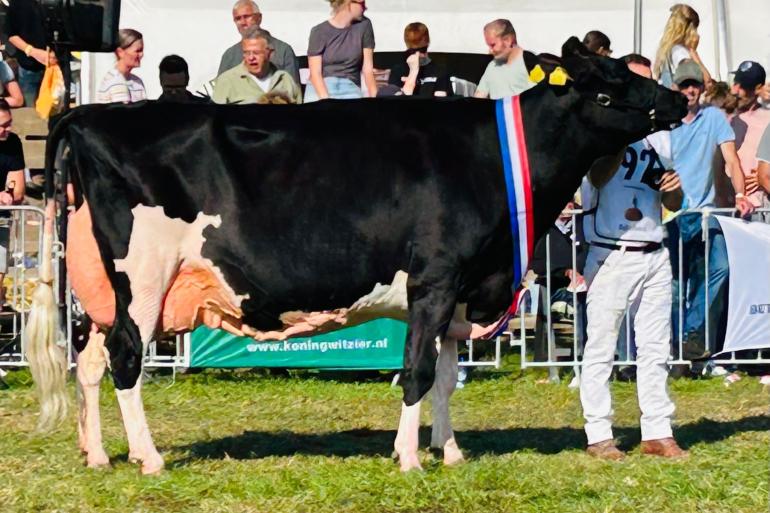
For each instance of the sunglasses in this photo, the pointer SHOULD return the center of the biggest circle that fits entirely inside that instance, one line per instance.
(362, 3)
(410, 51)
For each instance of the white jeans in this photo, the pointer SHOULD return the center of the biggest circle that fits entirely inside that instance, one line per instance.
(615, 280)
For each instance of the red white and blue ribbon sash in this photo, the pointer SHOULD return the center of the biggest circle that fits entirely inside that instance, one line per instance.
(510, 129)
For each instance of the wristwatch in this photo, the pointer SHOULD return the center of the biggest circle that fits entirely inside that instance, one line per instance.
(739, 195)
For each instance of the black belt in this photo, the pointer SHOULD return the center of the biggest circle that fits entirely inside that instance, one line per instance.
(647, 248)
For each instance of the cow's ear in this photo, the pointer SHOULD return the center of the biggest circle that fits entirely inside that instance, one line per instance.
(573, 46)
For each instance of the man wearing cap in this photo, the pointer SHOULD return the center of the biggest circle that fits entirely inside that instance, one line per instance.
(749, 125)
(763, 157)
(246, 14)
(255, 76)
(693, 144)
(507, 74)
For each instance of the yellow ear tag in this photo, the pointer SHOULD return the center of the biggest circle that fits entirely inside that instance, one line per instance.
(537, 74)
(558, 77)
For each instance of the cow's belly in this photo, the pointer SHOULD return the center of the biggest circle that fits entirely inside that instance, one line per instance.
(196, 294)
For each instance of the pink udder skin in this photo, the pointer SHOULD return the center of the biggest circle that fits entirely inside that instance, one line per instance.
(86, 270)
(195, 297)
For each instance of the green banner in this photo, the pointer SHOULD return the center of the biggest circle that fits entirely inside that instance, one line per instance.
(377, 344)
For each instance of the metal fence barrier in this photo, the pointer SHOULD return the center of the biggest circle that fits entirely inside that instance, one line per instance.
(554, 360)
(26, 244)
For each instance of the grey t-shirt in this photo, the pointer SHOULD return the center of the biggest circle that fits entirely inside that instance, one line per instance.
(341, 49)
(763, 150)
(503, 79)
(283, 58)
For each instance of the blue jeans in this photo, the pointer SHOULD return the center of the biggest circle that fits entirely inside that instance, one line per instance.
(694, 280)
(339, 89)
(29, 83)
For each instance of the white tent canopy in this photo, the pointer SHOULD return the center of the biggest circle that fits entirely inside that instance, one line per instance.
(200, 30)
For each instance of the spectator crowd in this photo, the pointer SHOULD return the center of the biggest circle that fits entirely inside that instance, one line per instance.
(718, 157)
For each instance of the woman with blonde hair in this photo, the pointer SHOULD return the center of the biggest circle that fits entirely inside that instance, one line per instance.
(339, 51)
(120, 85)
(679, 41)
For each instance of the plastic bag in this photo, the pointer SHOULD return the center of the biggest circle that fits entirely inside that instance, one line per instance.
(50, 100)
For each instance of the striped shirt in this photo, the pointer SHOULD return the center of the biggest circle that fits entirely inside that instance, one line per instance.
(117, 88)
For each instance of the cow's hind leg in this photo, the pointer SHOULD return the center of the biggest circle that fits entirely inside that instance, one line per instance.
(90, 369)
(126, 371)
(442, 436)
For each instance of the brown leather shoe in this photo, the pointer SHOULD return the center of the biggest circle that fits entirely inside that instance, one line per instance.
(605, 450)
(665, 447)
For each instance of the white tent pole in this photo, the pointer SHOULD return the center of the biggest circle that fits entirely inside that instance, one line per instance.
(722, 48)
(638, 26)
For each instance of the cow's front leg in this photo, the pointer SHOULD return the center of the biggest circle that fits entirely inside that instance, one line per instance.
(126, 371)
(407, 438)
(442, 436)
(431, 304)
(90, 369)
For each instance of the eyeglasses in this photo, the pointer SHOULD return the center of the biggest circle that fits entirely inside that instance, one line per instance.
(254, 53)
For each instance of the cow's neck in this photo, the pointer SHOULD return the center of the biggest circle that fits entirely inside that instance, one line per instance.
(561, 151)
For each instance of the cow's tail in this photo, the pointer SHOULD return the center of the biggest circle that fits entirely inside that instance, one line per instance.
(47, 360)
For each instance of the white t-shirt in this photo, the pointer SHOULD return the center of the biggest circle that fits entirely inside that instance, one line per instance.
(263, 83)
(116, 88)
(627, 209)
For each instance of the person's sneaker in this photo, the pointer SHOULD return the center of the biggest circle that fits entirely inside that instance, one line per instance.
(663, 447)
(605, 450)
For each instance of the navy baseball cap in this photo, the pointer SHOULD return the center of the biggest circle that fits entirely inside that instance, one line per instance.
(749, 75)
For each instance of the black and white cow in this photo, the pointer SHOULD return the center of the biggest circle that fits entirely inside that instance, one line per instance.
(275, 220)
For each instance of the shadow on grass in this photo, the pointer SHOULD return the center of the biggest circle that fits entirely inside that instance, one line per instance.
(373, 443)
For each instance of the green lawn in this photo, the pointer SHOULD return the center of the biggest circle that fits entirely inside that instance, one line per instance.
(245, 442)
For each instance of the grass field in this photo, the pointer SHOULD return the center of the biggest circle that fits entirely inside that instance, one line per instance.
(248, 442)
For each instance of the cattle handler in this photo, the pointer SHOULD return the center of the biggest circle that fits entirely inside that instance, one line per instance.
(627, 265)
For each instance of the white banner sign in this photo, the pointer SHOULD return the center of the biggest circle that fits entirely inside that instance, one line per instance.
(748, 316)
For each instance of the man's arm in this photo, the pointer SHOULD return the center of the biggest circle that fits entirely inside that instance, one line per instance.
(734, 170)
(763, 175)
(221, 90)
(290, 64)
(15, 180)
(413, 63)
(482, 90)
(671, 191)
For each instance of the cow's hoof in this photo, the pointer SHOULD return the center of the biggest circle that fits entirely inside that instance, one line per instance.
(97, 460)
(452, 454)
(453, 457)
(409, 463)
(152, 467)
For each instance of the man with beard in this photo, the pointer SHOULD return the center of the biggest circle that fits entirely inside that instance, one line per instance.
(507, 74)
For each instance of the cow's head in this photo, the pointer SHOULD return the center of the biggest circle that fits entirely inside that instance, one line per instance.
(614, 99)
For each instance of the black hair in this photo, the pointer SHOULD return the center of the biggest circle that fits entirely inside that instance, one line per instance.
(4, 105)
(635, 58)
(595, 40)
(173, 64)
